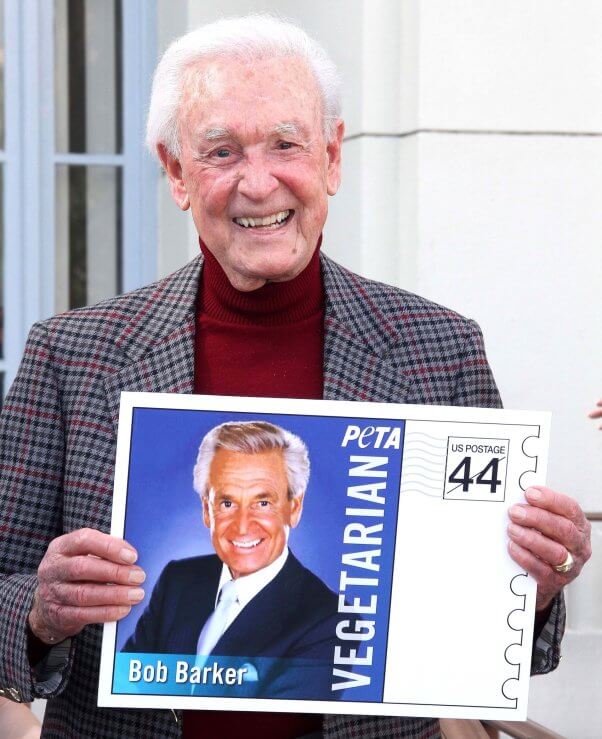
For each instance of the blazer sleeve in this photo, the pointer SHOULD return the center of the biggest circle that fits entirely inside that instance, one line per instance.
(546, 643)
(31, 477)
(476, 387)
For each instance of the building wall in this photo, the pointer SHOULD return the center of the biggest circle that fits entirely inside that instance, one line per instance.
(472, 174)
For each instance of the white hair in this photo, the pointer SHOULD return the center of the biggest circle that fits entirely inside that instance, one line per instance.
(247, 38)
(253, 437)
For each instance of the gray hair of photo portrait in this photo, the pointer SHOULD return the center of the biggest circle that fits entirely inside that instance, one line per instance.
(254, 437)
(247, 38)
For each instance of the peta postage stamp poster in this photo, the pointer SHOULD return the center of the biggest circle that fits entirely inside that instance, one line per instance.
(323, 557)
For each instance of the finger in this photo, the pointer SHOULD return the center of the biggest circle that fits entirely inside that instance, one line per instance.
(555, 502)
(549, 582)
(90, 541)
(559, 503)
(72, 619)
(597, 411)
(85, 595)
(543, 548)
(89, 569)
(553, 526)
(540, 570)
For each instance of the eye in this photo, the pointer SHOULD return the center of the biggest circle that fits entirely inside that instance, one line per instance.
(222, 153)
(226, 504)
(264, 503)
(285, 145)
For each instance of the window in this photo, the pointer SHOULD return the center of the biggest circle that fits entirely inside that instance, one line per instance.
(79, 188)
(88, 151)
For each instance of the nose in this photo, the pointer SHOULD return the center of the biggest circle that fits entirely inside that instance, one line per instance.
(242, 520)
(256, 181)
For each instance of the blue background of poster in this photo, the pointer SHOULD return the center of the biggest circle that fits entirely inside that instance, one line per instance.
(163, 514)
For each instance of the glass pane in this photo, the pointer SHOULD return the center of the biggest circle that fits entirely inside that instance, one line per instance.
(88, 235)
(1, 77)
(87, 47)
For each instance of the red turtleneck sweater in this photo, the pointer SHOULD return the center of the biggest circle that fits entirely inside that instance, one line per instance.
(264, 343)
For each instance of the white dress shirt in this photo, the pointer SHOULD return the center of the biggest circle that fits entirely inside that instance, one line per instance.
(248, 586)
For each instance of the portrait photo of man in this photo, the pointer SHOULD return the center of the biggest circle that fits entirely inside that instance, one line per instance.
(253, 597)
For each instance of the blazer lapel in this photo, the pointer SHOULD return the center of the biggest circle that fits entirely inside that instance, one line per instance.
(196, 603)
(159, 341)
(260, 624)
(357, 336)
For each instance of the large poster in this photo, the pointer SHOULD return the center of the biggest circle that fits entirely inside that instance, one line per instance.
(323, 556)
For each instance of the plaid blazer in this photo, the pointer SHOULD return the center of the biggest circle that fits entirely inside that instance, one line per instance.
(58, 435)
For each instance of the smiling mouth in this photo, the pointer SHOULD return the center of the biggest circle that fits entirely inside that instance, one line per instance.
(265, 223)
(251, 544)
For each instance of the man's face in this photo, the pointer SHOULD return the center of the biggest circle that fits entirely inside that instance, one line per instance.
(252, 147)
(248, 509)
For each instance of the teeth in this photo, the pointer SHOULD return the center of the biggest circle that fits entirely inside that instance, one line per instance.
(263, 221)
(246, 544)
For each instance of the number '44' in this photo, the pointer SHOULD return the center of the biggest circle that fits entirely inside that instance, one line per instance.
(461, 475)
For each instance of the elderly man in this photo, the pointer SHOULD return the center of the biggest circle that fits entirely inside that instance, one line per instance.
(252, 598)
(245, 118)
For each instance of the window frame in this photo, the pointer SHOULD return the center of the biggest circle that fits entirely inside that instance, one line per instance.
(30, 161)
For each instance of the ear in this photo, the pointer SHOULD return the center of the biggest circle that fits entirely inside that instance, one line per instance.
(206, 517)
(173, 169)
(296, 509)
(333, 148)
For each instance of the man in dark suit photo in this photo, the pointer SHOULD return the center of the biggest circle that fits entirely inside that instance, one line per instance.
(252, 598)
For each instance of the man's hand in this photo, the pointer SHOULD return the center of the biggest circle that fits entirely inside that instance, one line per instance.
(597, 412)
(85, 577)
(542, 533)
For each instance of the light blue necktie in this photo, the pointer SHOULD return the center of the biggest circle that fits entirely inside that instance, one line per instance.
(216, 623)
